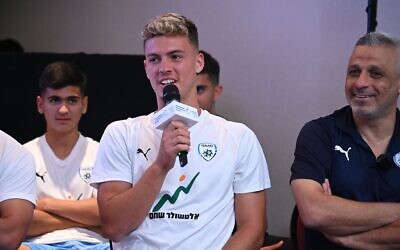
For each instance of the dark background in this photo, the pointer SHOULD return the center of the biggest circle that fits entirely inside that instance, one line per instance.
(117, 89)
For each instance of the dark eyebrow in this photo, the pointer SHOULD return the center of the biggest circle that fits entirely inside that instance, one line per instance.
(353, 66)
(374, 67)
(53, 97)
(169, 53)
(59, 97)
(176, 51)
(151, 55)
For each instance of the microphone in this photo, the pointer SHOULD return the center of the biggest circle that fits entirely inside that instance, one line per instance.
(175, 111)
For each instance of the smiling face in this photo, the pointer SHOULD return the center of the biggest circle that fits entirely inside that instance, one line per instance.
(172, 59)
(62, 108)
(372, 83)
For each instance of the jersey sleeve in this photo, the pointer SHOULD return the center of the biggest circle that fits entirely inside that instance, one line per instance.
(251, 173)
(313, 153)
(113, 161)
(17, 173)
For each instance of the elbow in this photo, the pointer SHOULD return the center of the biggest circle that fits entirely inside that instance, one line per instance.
(260, 241)
(114, 231)
(9, 243)
(312, 218)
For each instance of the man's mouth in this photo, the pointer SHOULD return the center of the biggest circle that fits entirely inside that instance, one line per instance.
(362, 96)
(167, 81)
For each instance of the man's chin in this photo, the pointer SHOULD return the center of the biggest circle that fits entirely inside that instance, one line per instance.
(364, 112)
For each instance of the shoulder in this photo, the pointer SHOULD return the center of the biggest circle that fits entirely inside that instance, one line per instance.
(129, 123)
(90, 141)
(14, 156)
(224, 123)
(32, 143)
(127, 129)
(234, 129)
(11, 148)
(330, 121)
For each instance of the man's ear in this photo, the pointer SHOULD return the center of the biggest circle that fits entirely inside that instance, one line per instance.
(145, 68)
(85, 104)
(218, 91)
(39, 104)
(199, 62)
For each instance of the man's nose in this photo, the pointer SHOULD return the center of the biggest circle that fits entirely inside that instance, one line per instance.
(63, 109)
(165, 66)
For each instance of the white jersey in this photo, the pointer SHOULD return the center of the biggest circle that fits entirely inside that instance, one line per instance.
(195, 207)
(66, 179)
(17, 171)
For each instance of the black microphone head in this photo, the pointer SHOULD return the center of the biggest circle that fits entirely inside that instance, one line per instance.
(170, 93)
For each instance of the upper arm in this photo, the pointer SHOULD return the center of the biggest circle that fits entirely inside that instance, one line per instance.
(307, 194)
(250, 208)
(107, 191)
(15, 217)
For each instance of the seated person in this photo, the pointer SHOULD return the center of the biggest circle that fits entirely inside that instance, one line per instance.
(67, 215)
(346, 171)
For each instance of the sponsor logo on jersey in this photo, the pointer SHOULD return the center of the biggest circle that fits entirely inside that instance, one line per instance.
(345, 152)
(140, 151)
(172, 199)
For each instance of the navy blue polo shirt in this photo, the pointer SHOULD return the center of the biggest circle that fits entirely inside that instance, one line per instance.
(331, 147)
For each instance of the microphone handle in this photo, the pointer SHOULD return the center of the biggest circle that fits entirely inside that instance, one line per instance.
(183, 158)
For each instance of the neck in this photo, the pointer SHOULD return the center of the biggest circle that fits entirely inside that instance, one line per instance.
(377, 132)
(62, 143)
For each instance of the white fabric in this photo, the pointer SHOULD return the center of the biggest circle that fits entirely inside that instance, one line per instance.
(225, 158)
(17, 171)
(66, 179)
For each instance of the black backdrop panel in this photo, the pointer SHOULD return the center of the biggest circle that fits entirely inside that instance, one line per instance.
(117, 89)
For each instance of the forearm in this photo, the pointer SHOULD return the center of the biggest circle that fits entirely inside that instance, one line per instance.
(44, 222)
(344, 217)
(386, 237)
(118, 202)
(85, 211)
(337, 216)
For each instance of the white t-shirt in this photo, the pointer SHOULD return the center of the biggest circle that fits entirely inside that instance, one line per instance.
(66, 179)
(195, 207)
(17, 171)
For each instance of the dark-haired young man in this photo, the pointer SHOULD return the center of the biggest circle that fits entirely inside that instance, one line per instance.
(67, 215)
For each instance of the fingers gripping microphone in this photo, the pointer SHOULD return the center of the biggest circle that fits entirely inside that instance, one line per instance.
(175, 111)
(171, 93)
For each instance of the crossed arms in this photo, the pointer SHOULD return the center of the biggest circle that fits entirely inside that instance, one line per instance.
(353, 224)
(55, 214)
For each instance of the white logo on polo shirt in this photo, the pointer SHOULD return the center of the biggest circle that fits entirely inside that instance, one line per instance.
(345, 152)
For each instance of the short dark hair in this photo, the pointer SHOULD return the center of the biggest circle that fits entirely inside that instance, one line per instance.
(211, 68)
(60, 74)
